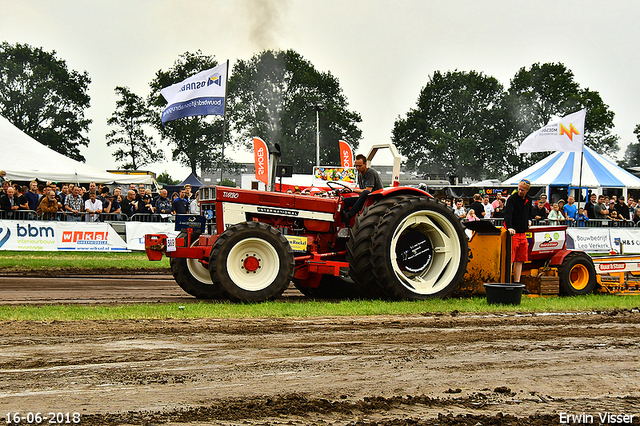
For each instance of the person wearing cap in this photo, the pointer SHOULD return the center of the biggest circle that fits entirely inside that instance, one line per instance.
(517, 217)
(145, 207)
(622, 209)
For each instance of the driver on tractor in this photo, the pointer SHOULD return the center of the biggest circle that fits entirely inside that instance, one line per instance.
(368, 181)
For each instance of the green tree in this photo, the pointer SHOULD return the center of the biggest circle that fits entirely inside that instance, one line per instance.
(632, 153)
(274, 96)
(136, 148)
(197, 141)
(43, 98)
(166, 178)
(538, 94)
(459, 127)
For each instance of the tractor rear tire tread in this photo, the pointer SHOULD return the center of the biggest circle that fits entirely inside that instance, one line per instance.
(359, 253)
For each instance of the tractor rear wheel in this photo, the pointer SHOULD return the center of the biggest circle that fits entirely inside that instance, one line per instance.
(419, 250)
(252, 261)
(193, 277)
(359, 249)
(577, 275)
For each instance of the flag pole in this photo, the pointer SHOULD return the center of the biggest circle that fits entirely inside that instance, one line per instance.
(224, 120)
(580, 178)
(581, 162)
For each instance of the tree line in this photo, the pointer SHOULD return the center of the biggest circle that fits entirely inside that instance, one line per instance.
(464, 123)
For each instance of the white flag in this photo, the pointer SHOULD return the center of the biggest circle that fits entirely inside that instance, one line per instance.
(201, 94)
(566, 135)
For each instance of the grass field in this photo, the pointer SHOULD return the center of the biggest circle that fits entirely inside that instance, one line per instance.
(32, 261)
(46, 260)
(285, 309)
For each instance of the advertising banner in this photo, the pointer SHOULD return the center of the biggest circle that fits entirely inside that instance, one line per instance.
(53, 236)
(200, 94)
(93, 236)
(137, 230)
(261, 160)
(591, 240)
(629, 238)
(346, 154)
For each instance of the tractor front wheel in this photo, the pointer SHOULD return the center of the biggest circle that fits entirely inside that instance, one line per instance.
(193, 277)
(252, 261)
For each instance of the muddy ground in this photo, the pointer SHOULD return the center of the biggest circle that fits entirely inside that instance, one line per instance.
(448, 369)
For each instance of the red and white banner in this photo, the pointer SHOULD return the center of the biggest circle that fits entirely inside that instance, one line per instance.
(346, 154)
(261, 159)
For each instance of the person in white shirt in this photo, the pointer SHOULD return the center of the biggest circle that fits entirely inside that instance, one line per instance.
(94, 206)
(459, 210)
(488, 208)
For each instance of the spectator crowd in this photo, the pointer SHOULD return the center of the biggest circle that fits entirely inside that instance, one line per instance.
(72, 202)
(600, 210)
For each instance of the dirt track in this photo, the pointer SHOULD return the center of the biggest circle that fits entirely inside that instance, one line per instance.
(421, 370)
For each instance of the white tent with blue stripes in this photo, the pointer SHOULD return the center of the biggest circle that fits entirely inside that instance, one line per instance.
(562, 169)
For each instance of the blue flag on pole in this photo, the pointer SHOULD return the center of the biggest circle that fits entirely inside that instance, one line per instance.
(201, 94)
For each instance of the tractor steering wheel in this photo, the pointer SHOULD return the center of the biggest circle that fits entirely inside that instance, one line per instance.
(345, 189)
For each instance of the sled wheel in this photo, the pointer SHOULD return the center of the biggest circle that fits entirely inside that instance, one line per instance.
(359, 249)
(577, 275)
(419, 250)
(193, 277)
(252, 261)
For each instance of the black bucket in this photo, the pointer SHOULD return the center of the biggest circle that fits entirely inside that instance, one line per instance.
(504, 293)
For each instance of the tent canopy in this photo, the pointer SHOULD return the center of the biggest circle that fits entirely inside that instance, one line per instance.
(191, 180)
(25, 159)
(563, 169)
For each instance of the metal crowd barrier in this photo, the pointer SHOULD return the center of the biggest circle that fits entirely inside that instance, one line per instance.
(19, 215)
(150, 217)
(84, 216)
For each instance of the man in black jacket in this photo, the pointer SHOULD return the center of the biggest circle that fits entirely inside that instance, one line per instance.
(9, 203)
(517, 215)
(622, 208)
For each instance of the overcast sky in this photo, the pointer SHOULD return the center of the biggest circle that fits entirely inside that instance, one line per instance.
(382, 52)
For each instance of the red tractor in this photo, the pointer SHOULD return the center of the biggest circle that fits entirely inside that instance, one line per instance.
(403, 245)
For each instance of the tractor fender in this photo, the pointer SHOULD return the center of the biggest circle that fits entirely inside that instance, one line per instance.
(399, 190)
(558, 258)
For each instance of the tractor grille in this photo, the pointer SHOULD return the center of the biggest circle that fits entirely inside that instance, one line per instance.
(208, 208)
(207, 193)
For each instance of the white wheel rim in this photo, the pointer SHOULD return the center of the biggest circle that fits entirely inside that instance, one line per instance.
(268, 261)
(197, 270)
(446, 252)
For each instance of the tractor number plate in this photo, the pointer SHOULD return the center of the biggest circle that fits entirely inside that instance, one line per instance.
(298, 244)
